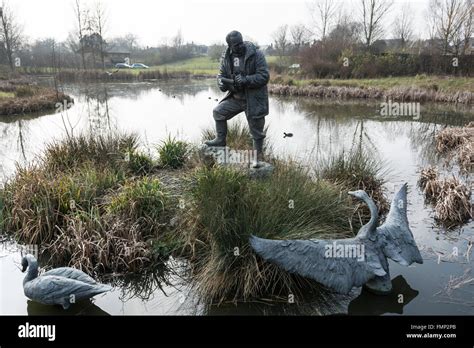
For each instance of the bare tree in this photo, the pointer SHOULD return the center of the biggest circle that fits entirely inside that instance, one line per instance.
(403, 25)
(373, 13)
(323, 13)
(80, 30)
(100, 19)
(10, 33)
(299, 36)
(451, 17)
(280, 37)
(468, 27)
(178, 40)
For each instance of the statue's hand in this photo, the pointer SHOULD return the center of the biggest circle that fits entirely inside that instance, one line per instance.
(241, 81)
(221, 85)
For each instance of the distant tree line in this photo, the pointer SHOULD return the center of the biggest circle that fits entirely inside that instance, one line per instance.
(368, 40)
(339, 43)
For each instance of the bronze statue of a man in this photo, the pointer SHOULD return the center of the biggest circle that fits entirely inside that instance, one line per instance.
(244, 75)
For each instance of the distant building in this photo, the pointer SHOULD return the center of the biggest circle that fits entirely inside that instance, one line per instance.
(111, 57)
(389, 45)
(115, 56)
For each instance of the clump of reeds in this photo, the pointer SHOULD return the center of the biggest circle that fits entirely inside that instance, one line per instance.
(453, 205)
(228, 206)
(451, 198)
(173, 153)
(85, 206)
(357, 170)
(113, 150)
(458, 143)
(429, 182)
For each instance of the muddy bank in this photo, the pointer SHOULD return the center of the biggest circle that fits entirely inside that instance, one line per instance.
(401, 94)
(22, 95)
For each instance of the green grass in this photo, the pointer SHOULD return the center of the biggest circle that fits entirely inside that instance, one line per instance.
(6, 95)
(173, 153)
(197, 65)
(144, 198)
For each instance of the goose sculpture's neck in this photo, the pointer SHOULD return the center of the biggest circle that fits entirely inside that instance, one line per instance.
(32, 272)
(368, 230)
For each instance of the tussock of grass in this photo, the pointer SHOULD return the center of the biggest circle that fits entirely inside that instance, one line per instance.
(429, 183)
(458, 143)
(173, 153)
(114, 151)
(144, 198)
(451, 198)
(357, 170)
(140, 163)
(453, 204)
(228, 207)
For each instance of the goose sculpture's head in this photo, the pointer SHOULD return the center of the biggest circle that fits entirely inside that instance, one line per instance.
(28, 262)
(360, 194)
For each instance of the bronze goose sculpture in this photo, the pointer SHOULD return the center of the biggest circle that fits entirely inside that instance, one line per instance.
(346, 263)
(59, 286)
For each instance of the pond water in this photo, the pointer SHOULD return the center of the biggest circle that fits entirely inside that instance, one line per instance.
(183, 109)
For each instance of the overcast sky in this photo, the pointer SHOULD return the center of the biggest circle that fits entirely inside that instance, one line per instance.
(201, 21)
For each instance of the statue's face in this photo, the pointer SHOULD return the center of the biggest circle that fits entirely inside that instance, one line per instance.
(238, 48)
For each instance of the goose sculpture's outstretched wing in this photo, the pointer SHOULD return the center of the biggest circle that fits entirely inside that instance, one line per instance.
(398, 242)
(323, 260)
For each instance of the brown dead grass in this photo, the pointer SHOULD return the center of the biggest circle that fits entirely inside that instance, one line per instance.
(450, 196)
(458, 143)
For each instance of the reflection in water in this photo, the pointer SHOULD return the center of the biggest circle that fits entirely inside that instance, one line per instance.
(86, 307)
(368, 303)
(317, 302)
(145, 284)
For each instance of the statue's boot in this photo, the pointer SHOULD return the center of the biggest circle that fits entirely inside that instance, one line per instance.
(258, 147)
(221, 130)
